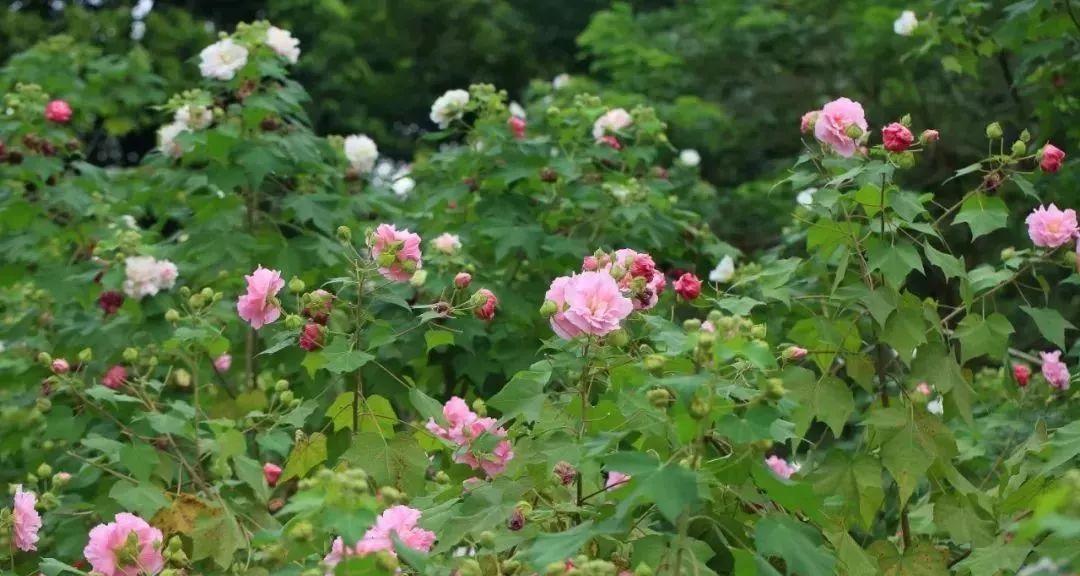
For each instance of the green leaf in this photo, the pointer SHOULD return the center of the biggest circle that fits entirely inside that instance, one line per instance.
(398, 462)
(140, 459)
(143, 498)
(828, 399)
(923, 559)
(216, 537)
(436, 338)
(895, 261)
(983, 214)
(524, 393)
(306, 454)
(906, 329)
(558, 546)
(852, 486)
(674, 489)
(798, 544)
(828, 234)
(998, 558)
(425, 405)
(250, 472)
(950, 265)
(341, 359)
(905, 457)
(1050, 322)
(961, 520)
(979, 336)
(869, 196)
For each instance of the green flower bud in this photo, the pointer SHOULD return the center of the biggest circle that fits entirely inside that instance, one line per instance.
(905, 159)
(699, 407)
(1019, 148)
(1025, 136)
(906, 120)
(44, 470)
(131, 354)
(344, 233)
(181, 378)
(1008, 253)
(643, 569)
(758, 331)
(547, 310)
(418, 278)
(553, 569)
(659, 397)
(691, 325)
(442, 477)
(618, 338)
(993, 131)
(387, 561)
(43, 404)
(86, 355)
(44, 358)
(486, 539)
(286, 397)
(293, 322)
(281, 385)
(386, 259)
(853, 132)
(470, 567)
(296, 285)
(172, 315)
(654, 362)
(479, 407)
(196, 301)
(774, 388)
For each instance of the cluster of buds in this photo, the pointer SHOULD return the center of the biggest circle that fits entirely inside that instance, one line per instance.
(635, 272)
(344, 486)
(176, 557)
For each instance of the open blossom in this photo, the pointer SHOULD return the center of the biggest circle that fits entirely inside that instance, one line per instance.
(896, 137)
(361, 152)
(114, 377)
(25, 520)
(222, 59)
(906, 24)
(615, 480)
(587, 303)
(1051, 158)
(689, 157)
(402, 186)
(561, 81)
(486, 309)
(127, 546)
(58, 111)
(803, 198)
(463, 427)
(146, 276)
(259, 306)
(836, 122)
(447, 243)
(724, 271)
(610, 123)
(806, 123)
(1054, 370)
(449, 107)
(936, 406)
(399, 520)
(781, 467)
(338, 553)
(271, 472)
(924, 389)
(688, 286)
(167, 135)
(282, 42)
(397, 252)
(222, 363)
(1050, 227)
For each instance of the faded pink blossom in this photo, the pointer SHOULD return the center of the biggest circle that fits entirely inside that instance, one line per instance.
(110, 549)
(795, 353)
(708, 326)
(223, 363)
(1051, 158)
(58, 111)
(400, 520)
(60, 366)
(517, 127)
(616, 480)
(115, 377)
(271, 472)
(462, 280)
(590, 264)
(338, 553)
(25, 520)
(447, 243)
(1050, 227)
(924, 389)
(929, 136)
(486, 310)
(463, 426)
(397, 252)
(610, 123)
(1054, 370)
(896, 137)
(806, 124)
(780, 467)
(688, 286)
(259, 306)
(834, 122)
(562, 327)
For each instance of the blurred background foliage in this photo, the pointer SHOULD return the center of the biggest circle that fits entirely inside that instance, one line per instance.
(731, 77)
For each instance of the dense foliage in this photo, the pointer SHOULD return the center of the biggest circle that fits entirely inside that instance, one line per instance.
(543, 346)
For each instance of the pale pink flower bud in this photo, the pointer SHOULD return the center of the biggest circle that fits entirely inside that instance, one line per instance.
(462, 280)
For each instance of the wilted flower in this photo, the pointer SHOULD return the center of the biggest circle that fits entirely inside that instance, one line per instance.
(110, 301)
(1054, 370)
(447, 243)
